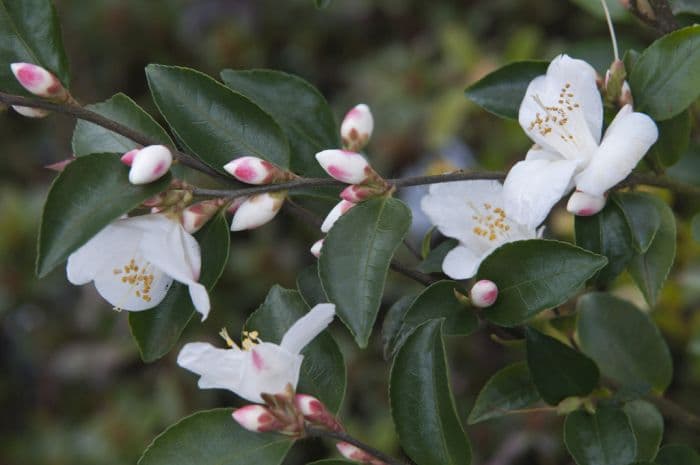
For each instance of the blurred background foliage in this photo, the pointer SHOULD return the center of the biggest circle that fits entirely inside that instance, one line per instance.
(74, 390)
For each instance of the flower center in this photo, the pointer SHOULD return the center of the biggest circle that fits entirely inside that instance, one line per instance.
(138, 278)
(555, 118)
(491, 223)
(250, 339)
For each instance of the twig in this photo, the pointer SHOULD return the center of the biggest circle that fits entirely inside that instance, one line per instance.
(672, 410)
(342, 436)
(662, 18)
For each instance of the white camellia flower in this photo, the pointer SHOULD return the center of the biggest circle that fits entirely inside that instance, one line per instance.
(133, 262)
(259, 367)
(562, 113)
(473, 213)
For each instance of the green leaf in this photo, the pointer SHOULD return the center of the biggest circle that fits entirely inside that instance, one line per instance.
(557, 370)
(297, 106)
(393, 322)
(664, 78)
(214, 122)
(30, 32)
(157, 330)
(323, 369)
(651, 268)
(606, 234)
(90, 138)
(677, 454)
(212, 437)
(511, 388)
(421, 401)
(309, 285)
(502, 91)
(534, 275)
(617, 11)
(648, 427)
(642, 217)
(604, 438)
(88, 195)
(624, 342)
(355, 260)
(674, 137)
(433, 262)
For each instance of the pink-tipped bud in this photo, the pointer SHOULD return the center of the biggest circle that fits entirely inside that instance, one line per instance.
(257, 210)
(197, 215)
(356, 454)
(340, 209)
(256, 418)
(357, 193)
(39, 81)
(484, 293)
(582, 204)
(128, 157)
(314, 411)
(60, 165)
(252, 170)
(316, 248)
(357, 127)
(149, 164)
(345, 166)
(31, 112)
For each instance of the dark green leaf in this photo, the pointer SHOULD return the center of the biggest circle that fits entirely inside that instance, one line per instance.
(664, 78)
(90, 138)
(502, 91)
(433, 262)
(421, 401)
(88, 195)
(648, 427)
(30, 32)
(309, 285)
(392, 323)
(674, 136)
(157, 330)
(212, 437)
(214, 122)
(642, 217)
(509, 389)
(604, 438)
(535, 275)
(557, 370)
(323, 369)
(623, 341)
(677, 454)
(355, 259)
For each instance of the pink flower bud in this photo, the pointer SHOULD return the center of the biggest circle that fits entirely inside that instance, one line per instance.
(39, 81)
(357, 127)
(257, 210)
(256, 418)
(345, 166)
(341, 208)
(582, 204)
(356, 454)
(149, 164)
(314, 411)
(484, 293)
(195, 216)
(316, 248)
(237, 202)
(60, 165)
(356, 193)
(128, 157)
(252, 170)
(31, 112)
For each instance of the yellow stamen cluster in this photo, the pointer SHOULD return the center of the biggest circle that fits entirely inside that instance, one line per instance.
(492, 224)
(555, 117)
(250, 339)
(134, 276)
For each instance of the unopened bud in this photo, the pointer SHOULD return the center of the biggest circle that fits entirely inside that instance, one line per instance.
(149, 164)
(39, 81)
(128, 157)
(257, 210)
(60, 165)
(582, 204)
(197, 215)
(252, 170)
(235, 204)
(31, 112)
(357, 127)
(315, 412)
(356, 193)
(356, 454)
(625, 95)
(340, 209)
(256, 418)
(316, 248)
(614, 79)
(484, 293)
(345, 166)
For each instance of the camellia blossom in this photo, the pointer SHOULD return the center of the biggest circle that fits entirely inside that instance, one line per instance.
(133, 262)
(473, 213)
(562, 113)
(258, 367)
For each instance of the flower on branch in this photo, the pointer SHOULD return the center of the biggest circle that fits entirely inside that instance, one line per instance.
(147, 164)
(257, 210)
(345, 166)
(254, 170)
(357, 127)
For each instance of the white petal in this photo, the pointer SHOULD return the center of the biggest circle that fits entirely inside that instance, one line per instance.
(268, 368)
(106, 246)
(461, 263)
(218, 368)
(175, 252)
(306, 328)
(200, 299)
(626, 141)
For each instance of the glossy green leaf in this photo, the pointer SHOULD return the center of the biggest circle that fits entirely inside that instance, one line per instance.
(664, 78)
(214, 122)
(642, 216)
(212, 437)
(511, 388)
(650, 269)
(603, 438)
(323, 369)
(309, 286)
(677, 454)
(535, 275)
(557, 370)
(421, 401)
(30, 32)
(90, 138)
(674, 137)
(502, 91)
(297, 106)
(355, 260)
(90, 193)
(624, 342)
(617, 11)
(433, 261)
(648, 427)
(393, 320)
(157, 330)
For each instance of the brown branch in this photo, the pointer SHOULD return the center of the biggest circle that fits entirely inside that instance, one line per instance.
(342, 436)
(660, 17)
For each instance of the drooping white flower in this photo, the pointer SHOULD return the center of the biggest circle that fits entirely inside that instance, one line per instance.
(473, 213)
(259, 367)
(133, 262)
(562, 113)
